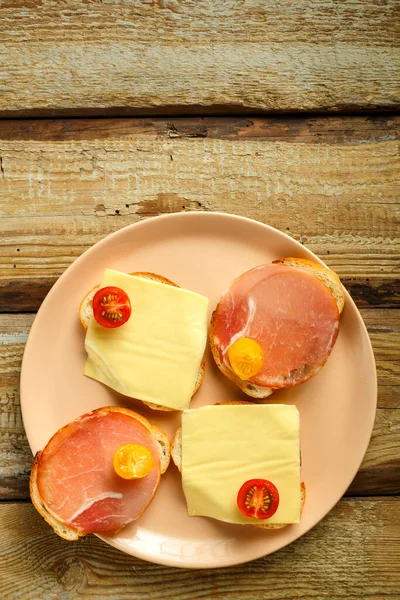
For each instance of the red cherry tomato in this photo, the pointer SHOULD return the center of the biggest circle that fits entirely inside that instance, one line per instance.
(258, 498)
(111, 307)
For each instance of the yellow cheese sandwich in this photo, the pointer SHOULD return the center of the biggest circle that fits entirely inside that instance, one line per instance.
(145, 338)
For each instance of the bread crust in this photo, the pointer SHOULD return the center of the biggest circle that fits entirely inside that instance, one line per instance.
(66, 531)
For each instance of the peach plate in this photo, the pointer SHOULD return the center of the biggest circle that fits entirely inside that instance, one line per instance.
(203, 252)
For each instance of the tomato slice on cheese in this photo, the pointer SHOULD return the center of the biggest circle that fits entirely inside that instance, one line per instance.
(111, 307)
(258, 498)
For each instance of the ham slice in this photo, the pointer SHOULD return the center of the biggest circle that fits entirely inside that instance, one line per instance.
(289, 312)
(76, 479)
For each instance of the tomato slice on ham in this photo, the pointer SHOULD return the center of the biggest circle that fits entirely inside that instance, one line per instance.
(246, 357)
(111, 307)
(133, 461)
(258, 498)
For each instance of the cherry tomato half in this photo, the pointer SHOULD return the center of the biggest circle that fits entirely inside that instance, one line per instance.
(258, 498)
(111, 307)
(246, 357)
(133, 461)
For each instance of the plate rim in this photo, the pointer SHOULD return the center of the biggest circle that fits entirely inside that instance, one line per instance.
(169, 560)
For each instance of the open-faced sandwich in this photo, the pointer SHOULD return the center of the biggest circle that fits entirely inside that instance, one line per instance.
(276, 325)
(240, 463)
(145, 338)
(99, 473)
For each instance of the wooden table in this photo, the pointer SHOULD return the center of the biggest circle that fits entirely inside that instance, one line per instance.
(228, 89)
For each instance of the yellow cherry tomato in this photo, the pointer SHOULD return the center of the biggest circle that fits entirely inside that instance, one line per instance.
(246, 357)
(133, 461)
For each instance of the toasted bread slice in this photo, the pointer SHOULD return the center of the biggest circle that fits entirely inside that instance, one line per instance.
(176, 455)
(60, 528)
(176, 449)
(86, 312)
(324, 274)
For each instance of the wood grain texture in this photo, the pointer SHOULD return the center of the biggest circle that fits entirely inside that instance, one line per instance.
(312, 130)
(169, 56)
(15, 454)
(332, 184)
(353, 553)
(378, 474)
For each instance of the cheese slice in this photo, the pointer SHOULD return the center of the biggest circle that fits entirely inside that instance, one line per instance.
(224, 446)
(155, 356)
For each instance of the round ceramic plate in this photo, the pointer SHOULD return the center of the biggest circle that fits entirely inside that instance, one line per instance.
(202, 252)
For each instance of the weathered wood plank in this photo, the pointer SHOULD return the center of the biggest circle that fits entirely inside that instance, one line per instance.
(342, 558)
(170, 56)
(65, 185)
(384, 330)
(26, 293)
(15, 454)
(378, 473)
(304, 130)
